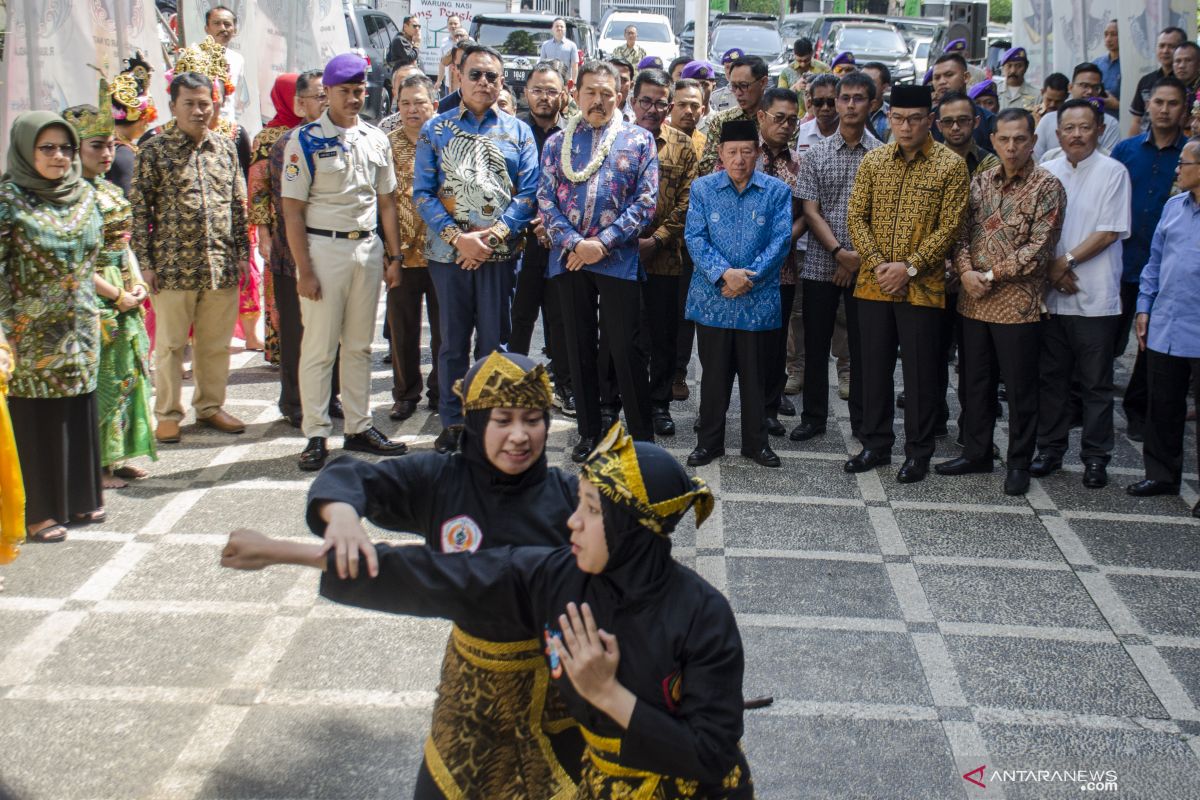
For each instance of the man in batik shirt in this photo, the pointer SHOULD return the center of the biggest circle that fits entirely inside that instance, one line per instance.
(598, 192)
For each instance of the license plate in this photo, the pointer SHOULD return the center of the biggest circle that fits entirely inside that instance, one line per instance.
(515, 74)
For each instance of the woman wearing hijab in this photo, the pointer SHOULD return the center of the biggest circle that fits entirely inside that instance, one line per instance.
(644, 652)
(123, 383)
(497, 491)
(50, 238)
(258, 189)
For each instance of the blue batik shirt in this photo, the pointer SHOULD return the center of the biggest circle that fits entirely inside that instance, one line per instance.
(1151, 178)
(1171, 281)
(751, 229)
(475, 174)
(614, 205)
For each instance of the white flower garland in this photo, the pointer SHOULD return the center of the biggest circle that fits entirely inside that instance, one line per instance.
(594, 164)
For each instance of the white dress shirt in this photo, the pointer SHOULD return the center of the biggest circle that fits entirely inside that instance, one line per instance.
(237, 66)
(1098, 199)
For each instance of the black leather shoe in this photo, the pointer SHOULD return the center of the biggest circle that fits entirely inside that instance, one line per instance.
(663, 424)
(1095, 475)
(963, 466)
(775, 427)
(432, 404)
(940, 430)
(372, 440)
(1196, 510)
(900, 400)
(914, 470)
(403, 409)
(764, 458)
(702, 455)
(786, 407)
(1149, 488)
(335, 409)
(1045, 465)
(447, 440)
(805, 431)
(313, 457)
(583, 449)
(1016, 482)
(564, 399)
(696, 426)
(868, 460)
(608, 417)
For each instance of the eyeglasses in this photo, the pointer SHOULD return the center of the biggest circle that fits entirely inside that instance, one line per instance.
(1089, 87)
(50, 150)
(786, 120)
(646, 104)
(823, 102)
(477, 75)
(1188, 163)
(853, 99)
(957, 122)
(549, 94)
(322, 97)
(899, 121)
(742, 86)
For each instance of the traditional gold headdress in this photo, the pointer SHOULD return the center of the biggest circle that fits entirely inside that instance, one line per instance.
(206, 58)
(501, 383)
(91, 122)
(131, 101)
(613, 468)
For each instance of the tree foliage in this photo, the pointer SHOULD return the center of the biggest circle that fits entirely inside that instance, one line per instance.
(1000, 11)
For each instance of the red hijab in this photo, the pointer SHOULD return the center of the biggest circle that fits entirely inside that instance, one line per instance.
(283, 97)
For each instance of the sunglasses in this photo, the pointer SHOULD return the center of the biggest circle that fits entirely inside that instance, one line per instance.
(658, 105)
(49, 150)
(823, 102)
(477, 75)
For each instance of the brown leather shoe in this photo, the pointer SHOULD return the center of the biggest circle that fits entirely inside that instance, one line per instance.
(167, 431)
(224, 422)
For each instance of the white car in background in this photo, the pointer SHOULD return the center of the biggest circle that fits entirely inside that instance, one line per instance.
(654, 34)
(920, 52)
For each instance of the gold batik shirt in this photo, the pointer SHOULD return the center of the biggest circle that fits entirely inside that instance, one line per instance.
(907, 211)
(412, 225)
(189, 211)
(676, 170)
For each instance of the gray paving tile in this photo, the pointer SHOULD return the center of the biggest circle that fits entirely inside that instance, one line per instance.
(810, 587)
(1184, 663)
(797, 476)
(1140, 544)
(90, 749)
(321, 753)
(833, 666)
(275, 462)
(1147, 764)
(788, 526)
(197, 650)
(1008, 596)
(837, 758)
(987, 489)
(193, 572)
(384, 652)
(978, 535)
(1044, 674)
(275, 512)
(55, 570)
(16, 625)
(1162, 605)
(1068, 494)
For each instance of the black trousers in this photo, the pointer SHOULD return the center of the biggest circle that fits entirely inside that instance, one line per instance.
(687, 328)
(1169, 379)
(404, 321)
(990, 350)
(724, 355)
(775, 370)
(291, 333)
(593, 304)
(819, 307)
(1136, 400)
(531, 298)
(660, 303)
(1083, 347)
(916, 329)
(951, 336)
(58, 445)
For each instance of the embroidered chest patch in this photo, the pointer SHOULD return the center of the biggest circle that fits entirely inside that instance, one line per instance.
(556, 667)
(461, 534)
(672, 689)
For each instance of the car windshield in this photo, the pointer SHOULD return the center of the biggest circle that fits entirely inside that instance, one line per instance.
(512, 38)
(755, 40)
(655, 32)
(795, 28)
(916, 28)
(922, 49)
(871, 40)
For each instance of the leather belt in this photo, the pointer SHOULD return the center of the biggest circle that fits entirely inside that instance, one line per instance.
(340, 234)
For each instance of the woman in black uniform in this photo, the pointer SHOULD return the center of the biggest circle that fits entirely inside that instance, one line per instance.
(498, 730)
(646, 654)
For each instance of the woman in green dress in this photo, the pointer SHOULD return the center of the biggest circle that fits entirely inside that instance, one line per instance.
(50, 238)
(123, 385)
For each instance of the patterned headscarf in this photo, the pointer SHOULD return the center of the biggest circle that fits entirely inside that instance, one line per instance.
(504, 380)
(21, 158)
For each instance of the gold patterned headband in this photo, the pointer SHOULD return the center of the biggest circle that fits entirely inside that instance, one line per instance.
(502, 383)
(613, 468)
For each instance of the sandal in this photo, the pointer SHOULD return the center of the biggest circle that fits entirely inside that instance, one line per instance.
(131, 473)
(89, 519)
(51, 534)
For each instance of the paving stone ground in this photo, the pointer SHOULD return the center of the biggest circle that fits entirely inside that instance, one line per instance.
(909, 634)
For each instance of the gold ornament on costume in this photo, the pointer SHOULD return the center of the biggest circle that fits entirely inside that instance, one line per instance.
(91, 123)
(207, 59)
(131, 103)
(613, 468)
(501, 383)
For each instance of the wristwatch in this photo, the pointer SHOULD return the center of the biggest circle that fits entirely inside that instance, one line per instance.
(395, 258)
(492, 240)
(833, 253)
(1071, 262)
(989, 276)
(910, 269)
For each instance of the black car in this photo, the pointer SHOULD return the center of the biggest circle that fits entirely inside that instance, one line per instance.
(821, 25)
(879, 42)
(371, 32)
(518, 38)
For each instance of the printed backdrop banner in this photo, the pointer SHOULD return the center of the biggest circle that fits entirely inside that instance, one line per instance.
(50, 43)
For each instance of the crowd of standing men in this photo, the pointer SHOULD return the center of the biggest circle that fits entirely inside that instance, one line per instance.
(637, 218)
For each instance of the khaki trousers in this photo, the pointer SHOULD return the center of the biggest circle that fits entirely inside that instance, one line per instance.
(350, 273)
(209, 315)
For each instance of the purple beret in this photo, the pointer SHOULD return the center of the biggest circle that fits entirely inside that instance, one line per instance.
(698, 70)
(928, 77)
(982, 88)
(956, 46)
(345, 68)
(650, 62)
(732, 54)
(1014, 54)
(844, 57)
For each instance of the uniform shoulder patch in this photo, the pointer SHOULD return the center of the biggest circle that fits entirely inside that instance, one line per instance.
(291, 171)
(461, 534)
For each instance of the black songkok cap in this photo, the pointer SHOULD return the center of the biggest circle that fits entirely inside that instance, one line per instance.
(912, 97)
(739, 130)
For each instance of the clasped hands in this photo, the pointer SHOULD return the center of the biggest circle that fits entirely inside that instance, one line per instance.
(588, 252)
(1062, 277)
(737, 282)
(892, 277)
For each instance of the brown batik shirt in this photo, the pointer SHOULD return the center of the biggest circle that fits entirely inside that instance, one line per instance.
(677, 162)
(412, 224)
